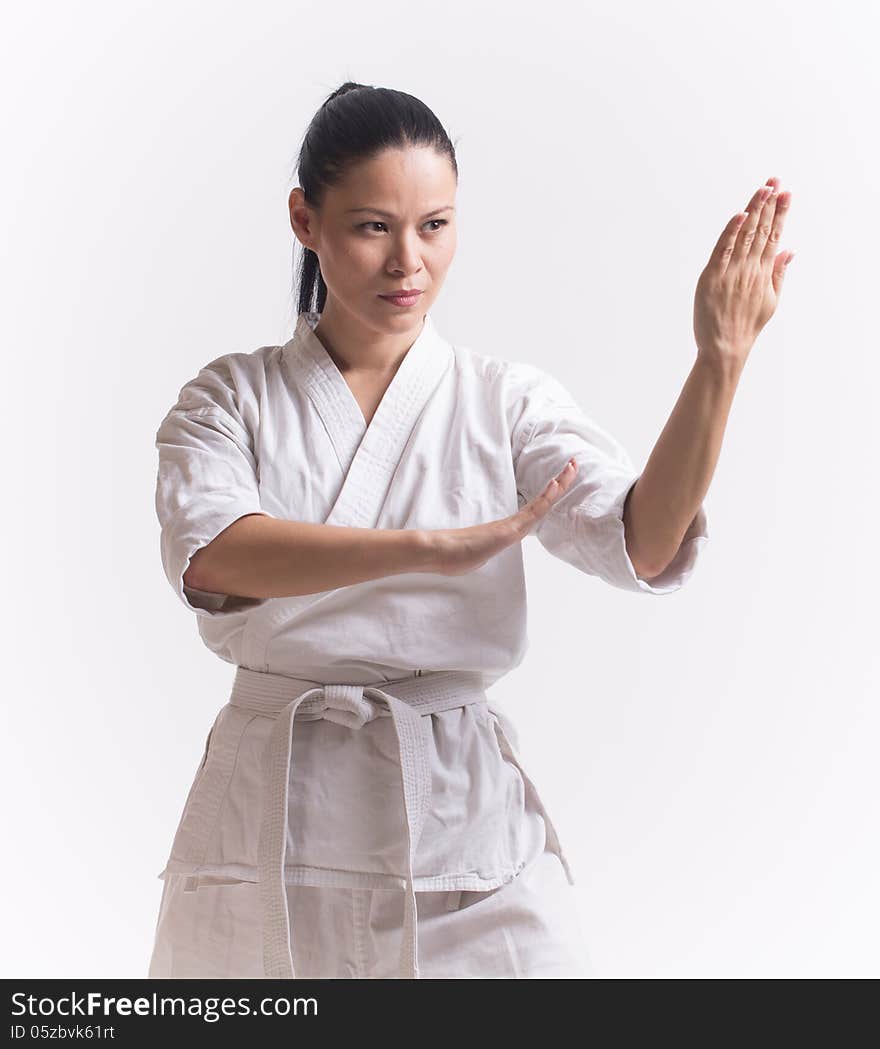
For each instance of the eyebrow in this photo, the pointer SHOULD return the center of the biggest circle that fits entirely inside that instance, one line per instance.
(388, 215)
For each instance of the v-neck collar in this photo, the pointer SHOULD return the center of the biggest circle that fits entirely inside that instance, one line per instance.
(308, 322)
(368, 453)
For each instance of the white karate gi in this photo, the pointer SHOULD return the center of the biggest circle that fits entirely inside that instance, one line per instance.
(398, 821)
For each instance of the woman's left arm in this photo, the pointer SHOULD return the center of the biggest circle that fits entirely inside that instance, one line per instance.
(736, 295)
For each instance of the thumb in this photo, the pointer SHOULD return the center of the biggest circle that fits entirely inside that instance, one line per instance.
(779, 268)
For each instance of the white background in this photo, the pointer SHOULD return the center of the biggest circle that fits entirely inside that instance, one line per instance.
(709, 756)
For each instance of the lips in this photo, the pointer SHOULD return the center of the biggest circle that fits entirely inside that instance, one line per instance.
(402, 293)
(406, 301)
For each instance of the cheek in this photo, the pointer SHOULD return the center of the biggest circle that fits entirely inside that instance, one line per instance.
(350, 258)
(442, 257)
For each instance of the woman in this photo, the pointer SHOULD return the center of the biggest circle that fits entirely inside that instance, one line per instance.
(343, 514)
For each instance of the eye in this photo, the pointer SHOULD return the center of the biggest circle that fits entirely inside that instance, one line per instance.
(376, 222)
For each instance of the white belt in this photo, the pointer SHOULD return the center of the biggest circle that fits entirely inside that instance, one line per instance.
(407, 700)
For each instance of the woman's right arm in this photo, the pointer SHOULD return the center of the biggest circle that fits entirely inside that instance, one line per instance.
(261, 556)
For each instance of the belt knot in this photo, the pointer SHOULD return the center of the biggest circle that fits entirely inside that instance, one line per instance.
(347, 705)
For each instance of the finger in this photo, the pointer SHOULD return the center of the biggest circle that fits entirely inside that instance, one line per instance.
(783, 201)
(747, 230)
(726, 242)
(560, 484)
(541, 504)
(765, 226)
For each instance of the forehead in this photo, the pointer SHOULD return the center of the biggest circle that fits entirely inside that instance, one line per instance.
(398, 178)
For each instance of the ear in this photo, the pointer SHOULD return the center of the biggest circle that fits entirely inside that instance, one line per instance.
(301, 217)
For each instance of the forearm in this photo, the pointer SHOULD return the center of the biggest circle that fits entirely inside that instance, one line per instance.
(673, 485)
(261, 556)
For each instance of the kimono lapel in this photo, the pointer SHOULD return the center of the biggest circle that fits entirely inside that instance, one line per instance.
(370, 454)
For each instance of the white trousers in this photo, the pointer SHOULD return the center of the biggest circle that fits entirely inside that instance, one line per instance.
(528, 928)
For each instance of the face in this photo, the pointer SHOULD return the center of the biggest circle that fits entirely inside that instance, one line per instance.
(408, 243)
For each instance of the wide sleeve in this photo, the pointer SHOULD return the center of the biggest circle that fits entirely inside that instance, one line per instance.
(585, 526)
(207, 479)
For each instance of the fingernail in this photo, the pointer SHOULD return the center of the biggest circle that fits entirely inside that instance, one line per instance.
(790, 257)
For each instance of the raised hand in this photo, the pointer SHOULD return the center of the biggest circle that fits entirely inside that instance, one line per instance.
(739, 289)
(460, 550)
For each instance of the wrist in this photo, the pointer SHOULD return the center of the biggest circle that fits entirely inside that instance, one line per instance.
(421, 549)
(722, 366)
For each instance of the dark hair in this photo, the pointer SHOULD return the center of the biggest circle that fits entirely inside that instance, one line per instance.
(354, 124)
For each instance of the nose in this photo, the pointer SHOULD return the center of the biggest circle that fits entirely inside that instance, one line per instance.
(406, 257)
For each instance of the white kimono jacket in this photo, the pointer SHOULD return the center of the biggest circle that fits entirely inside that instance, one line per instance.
(459, 438)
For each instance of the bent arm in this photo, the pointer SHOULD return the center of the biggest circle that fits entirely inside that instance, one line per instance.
(262, 556)
(671, 489)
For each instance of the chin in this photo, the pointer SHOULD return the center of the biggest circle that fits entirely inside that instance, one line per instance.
(403, 315)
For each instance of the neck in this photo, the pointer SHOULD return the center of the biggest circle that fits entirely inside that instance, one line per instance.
(354, 347)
